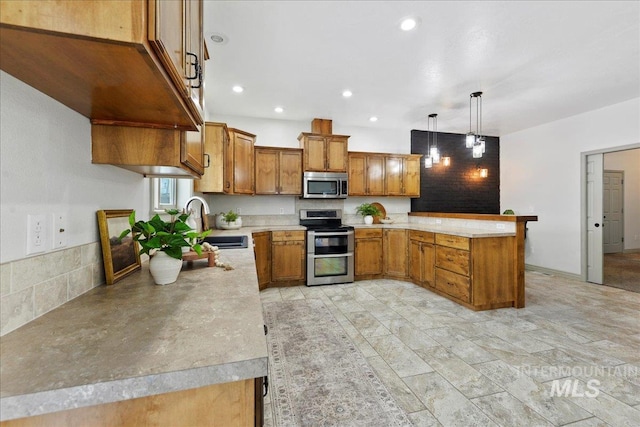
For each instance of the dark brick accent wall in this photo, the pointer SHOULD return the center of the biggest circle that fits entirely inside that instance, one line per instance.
(459, 187)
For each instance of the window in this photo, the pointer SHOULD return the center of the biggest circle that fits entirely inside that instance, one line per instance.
(164, 194)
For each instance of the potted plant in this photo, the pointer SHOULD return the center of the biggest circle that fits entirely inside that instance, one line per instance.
(230, 220)
(368, 211)
(163, 241)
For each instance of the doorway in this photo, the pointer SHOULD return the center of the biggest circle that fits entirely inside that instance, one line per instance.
(611, 244)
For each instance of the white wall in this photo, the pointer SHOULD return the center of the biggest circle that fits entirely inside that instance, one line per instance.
(284, 133)
(629, 162)
(540, 174)
(46, 168)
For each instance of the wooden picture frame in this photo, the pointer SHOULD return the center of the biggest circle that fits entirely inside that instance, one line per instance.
(120, 258)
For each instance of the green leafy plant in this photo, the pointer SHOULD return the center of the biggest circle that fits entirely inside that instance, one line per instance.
(508, 212)
(169, 237)
(368, 209)
(230, 216)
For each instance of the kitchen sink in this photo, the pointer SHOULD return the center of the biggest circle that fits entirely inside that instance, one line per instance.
(228, 242)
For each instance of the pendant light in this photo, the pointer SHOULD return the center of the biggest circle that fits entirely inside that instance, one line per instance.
(428, 161)
(433, 151)
(477, 140)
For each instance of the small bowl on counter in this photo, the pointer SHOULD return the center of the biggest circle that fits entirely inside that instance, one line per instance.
(386, 221)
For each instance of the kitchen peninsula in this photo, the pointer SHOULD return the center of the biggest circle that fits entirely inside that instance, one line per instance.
(139, 351)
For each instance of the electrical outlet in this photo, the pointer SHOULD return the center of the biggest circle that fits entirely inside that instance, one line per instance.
(281, 211)
(438, 221)
(59, 226)
(500, 226)
(36, 234)
(238, 211)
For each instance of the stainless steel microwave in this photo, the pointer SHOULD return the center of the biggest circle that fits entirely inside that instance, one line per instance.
(325, 185)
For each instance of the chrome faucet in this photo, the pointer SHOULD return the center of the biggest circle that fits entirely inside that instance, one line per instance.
(199, 227)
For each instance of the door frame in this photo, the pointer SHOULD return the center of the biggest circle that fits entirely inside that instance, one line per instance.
(583, 201)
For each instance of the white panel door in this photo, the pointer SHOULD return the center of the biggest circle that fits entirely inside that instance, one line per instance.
(594, 218)
(612, 209)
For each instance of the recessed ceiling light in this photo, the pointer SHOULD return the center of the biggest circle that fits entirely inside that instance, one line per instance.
(347, 94)
(217, 38)
(373, 119)
(278, 109)
(408, 24)
(238, 89)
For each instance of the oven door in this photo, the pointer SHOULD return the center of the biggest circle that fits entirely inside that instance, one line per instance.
(330, 243)
(330, 269)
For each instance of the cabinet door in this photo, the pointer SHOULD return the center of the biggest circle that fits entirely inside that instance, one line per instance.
(415, 261)
(267, 171)
(243, 173)
(368, 257)
(337, 155)
(291, 172)
(314, 153)
(393, 181)
(166, 36)
(375, 175)
(411, 176)
(262, 251)
(395, 253)
(194, 50)
(428, 264)
(287, 261)
(357, 178)
(192, 150)
(216, 138)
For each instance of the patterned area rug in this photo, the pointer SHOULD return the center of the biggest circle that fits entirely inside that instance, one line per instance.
(317, 376)
(622, 271)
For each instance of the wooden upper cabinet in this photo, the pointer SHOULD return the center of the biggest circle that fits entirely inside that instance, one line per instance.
(110, 72)
(278, 170)
(324, 153)
(366, 174)
(239, 158)
(216, 139)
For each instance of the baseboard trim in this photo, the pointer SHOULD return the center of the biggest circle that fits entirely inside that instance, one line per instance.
(552, 272)
(631, 251)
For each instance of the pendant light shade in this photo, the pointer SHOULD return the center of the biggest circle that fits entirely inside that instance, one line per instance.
(433, 151)
(476, 141)
(428, 162)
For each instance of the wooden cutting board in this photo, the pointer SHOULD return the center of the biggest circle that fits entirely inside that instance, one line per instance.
(383, 212)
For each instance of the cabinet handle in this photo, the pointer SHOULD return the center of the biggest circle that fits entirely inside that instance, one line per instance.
(208, 160)
(195, 64)
(265, 383)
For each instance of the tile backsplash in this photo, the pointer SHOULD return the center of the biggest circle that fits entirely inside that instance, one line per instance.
(32, 286)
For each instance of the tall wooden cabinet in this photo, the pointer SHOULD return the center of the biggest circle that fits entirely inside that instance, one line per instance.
(130, 64)
(216, 138)
(324, 153)
(366, 174)
(368, 253)
(278, 170)
(395, 253)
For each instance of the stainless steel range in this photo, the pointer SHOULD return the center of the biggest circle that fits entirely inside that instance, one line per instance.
(329, 247)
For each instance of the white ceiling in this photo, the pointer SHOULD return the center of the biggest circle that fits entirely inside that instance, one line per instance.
(535, 61)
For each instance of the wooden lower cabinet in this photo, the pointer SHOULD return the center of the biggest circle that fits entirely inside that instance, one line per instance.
(368, 253)
(288, 256)
(395, 250)
(421, 258)
(262, 252)
(228, 404)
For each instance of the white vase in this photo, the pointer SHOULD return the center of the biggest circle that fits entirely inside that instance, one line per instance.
(368, 219)
(164, 269)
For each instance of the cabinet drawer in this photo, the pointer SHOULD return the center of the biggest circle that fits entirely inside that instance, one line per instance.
(456, 285)
(452, 259)
(422, 236)
(283, 236)
(363, 233)
(453, 241)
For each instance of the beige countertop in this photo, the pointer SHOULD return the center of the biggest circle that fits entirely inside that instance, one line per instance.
(135, 339)
(442, 228)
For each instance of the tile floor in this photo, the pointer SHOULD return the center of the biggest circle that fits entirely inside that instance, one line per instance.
(570, 358)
